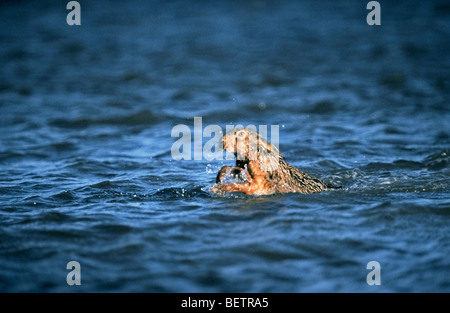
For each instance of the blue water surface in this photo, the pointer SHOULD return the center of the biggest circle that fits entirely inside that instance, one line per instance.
(87, 174)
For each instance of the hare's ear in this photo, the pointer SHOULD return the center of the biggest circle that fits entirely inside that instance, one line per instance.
(266, 147)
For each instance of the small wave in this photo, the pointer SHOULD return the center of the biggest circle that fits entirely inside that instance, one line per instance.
(47, 217)
(398, 164)
(183, 192)
(113, 228)
(102, 185)
(140, 118)
(438, 161)
(64, 196)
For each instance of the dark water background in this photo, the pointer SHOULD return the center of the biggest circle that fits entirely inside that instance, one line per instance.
(86, 172)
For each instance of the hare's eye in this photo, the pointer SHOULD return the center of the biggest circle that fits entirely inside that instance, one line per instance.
(241, 134)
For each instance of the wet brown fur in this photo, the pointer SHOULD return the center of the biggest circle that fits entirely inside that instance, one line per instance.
(266, 168)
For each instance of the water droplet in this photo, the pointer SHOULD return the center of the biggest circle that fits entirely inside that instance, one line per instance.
(209, 169)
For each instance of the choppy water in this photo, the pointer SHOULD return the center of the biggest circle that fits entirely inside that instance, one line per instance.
(86, 172)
